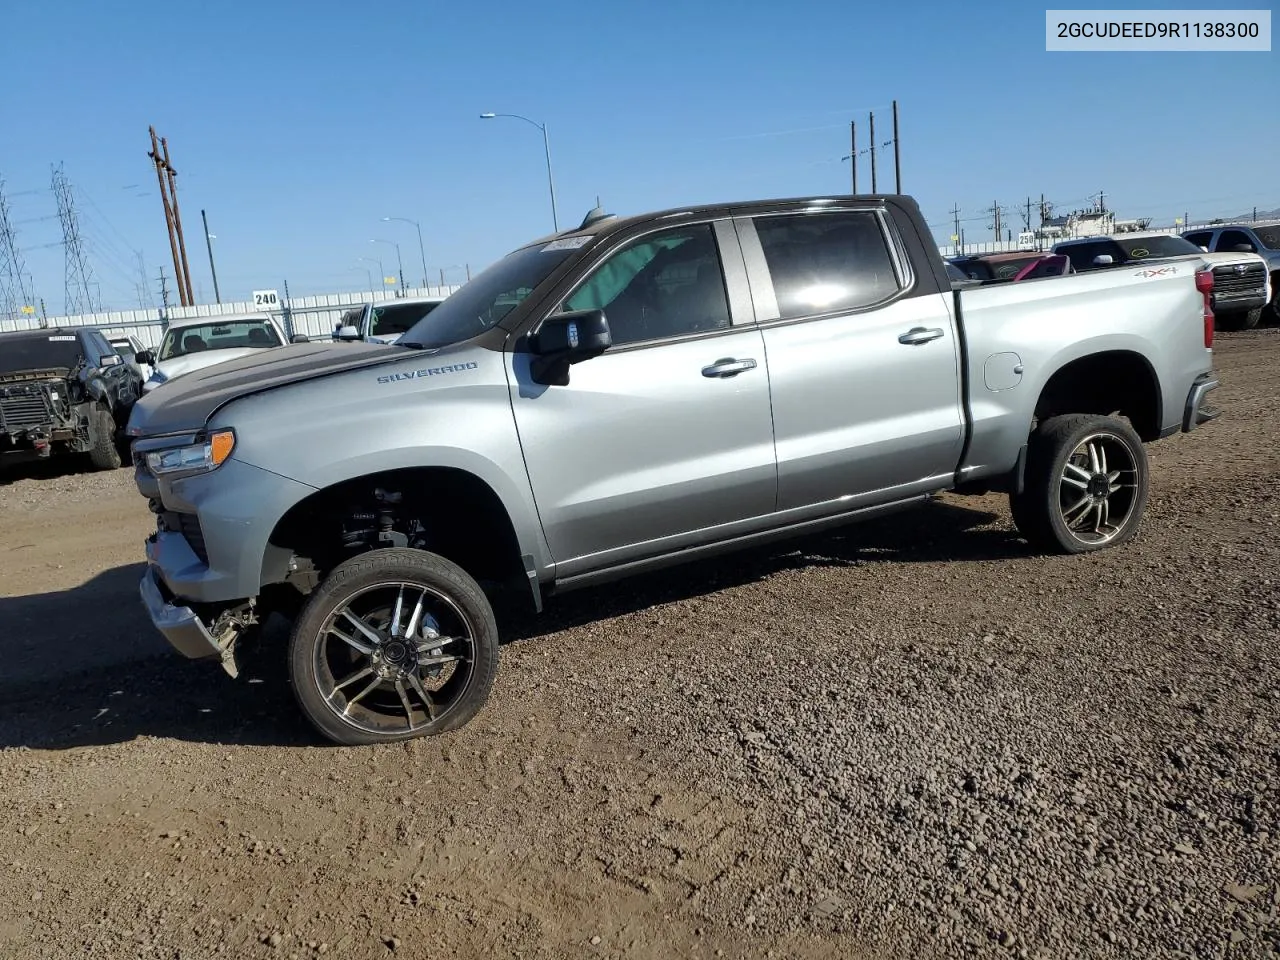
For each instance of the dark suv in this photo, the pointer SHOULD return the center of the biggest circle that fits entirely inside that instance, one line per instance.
(67, 391)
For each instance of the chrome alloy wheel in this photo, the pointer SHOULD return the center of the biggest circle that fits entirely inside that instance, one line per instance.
(1098, 489)
(394, 657)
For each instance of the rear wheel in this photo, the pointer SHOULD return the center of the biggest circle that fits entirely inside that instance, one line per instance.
(1086, 484)
(105, 452)
(394, 644)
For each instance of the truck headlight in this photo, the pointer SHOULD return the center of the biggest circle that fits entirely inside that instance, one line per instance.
(196, 458)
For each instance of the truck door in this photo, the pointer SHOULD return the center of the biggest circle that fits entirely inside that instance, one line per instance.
(863, 359)
(667, 434)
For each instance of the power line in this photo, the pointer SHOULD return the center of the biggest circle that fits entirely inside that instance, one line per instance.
(78, 274)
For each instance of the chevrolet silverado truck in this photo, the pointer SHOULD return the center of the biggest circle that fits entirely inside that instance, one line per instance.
(633, 393)
(1241, 286)
(64, 391)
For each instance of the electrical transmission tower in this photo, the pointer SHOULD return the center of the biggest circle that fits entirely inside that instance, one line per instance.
(79, 274)
(14, 295)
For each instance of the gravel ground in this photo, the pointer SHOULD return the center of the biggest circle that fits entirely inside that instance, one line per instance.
(912, 739)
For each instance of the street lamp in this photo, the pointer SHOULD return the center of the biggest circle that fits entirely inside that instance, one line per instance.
(398, 260)
(421, 251)
(381, 274)
(546, 144)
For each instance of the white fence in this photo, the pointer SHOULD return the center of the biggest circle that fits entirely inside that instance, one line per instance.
(314, 316)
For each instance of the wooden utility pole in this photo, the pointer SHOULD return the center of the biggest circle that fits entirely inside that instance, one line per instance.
(872, 118)
(897, 164)
(166, 176)
(853, 152)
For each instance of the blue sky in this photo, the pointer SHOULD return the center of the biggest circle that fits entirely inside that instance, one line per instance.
(298, 126)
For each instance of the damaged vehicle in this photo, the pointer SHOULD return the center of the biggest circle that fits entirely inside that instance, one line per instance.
(64, 391)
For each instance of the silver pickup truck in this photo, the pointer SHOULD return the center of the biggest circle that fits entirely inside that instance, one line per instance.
(633, 393)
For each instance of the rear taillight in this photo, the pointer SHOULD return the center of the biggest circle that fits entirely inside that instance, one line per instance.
(1204, 283)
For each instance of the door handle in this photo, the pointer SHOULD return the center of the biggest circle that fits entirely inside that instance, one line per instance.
(728, 367)
(917, 335)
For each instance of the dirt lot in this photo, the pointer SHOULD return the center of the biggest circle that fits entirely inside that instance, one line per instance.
(914, 739)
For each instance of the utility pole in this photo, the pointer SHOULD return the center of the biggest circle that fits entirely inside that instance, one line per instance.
(169, 197)
(78, 274)
(873, 151)
(44, 315)
(995, 226)
(853, 152)
(1102, 202)
(164, 291)
(208, 242)
(955, 215)
(442, 276)
(897, 165)
(1026, 217)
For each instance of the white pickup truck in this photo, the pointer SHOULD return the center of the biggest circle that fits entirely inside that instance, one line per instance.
(198, 342)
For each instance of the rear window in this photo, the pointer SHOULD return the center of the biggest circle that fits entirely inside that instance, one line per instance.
(218, 335)
(43, 351)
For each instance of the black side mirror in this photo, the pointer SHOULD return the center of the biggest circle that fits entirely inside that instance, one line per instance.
(1243, 248)
(299, 338)
(567, 338)
(146, 357)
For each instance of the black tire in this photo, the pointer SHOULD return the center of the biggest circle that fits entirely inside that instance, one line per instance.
(1271, 313)
(1060, 481)
(105, 453)
(1249, 321)
(450, 596)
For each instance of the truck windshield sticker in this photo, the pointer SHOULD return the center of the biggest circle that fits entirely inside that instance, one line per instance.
(62, 339)
(428, 372)
(568, 243)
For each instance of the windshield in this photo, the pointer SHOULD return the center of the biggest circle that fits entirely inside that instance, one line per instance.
(482, 303)
(218, 335)
(398, 317)
(43, 351)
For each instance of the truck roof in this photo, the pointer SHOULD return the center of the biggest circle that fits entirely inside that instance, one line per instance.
(179, 322)
(602, 226)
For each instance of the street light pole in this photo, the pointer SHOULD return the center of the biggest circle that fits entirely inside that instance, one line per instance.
(546, 146)
(421, 250)
(382, 275)
(399, 261)
(208, 242)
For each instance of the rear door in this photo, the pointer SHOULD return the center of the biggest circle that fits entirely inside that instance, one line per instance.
(665, 440)
(863, 359)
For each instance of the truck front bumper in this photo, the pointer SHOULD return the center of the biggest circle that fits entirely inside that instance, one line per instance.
(180, 625)
(1197, 411)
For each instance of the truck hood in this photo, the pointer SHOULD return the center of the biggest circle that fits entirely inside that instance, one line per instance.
(206, 358)
(186, 404)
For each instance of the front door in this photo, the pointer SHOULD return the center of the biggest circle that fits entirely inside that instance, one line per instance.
(864, 374)
(667, 435)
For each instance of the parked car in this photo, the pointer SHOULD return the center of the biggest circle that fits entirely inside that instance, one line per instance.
(129, 347)
(1262, 239)
(384, 321)
(64, 390)
(989, 267)
(632, 394)
(1241, 286)
(198, 342)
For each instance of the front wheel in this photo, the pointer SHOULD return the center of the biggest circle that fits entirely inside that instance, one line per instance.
(394, 644)
(1086, 484)
(105, 453)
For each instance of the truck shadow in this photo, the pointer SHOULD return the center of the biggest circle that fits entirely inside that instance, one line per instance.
(85, 667)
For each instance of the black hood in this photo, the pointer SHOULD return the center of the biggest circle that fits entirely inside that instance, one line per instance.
(187, 402)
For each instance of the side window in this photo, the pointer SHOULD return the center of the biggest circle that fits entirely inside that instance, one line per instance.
(1228, 240)
(1201, 238)
(827, 262)
(661, 285)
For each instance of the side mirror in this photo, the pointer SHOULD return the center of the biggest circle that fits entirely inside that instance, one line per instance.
(1243, 248)
(567, 338)
(299, 338)
(146, 357)
(1103, 260)
(110, 360)
(348, 333)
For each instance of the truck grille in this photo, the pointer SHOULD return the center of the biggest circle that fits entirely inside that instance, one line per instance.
(189, 524)
(27, 409)
(1230, 285)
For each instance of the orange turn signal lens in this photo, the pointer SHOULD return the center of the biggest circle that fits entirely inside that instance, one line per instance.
(220, 446)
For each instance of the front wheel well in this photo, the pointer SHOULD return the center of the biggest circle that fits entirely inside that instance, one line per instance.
(445, 510)
(1117, 382)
